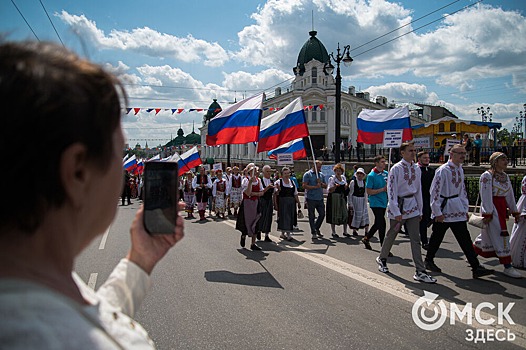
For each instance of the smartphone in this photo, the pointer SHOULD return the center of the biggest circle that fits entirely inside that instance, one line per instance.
(161, 188)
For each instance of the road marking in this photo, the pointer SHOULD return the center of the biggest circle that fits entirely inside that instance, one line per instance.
(104, 238)
(92, 280)
(390, 286)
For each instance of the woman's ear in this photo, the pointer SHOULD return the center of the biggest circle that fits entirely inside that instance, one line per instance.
(75, 173)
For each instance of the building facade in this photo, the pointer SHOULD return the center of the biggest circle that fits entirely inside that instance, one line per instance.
(317, 90)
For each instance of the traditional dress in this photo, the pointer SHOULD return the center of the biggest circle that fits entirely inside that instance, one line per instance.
(287, 206)
(518, 234)
(358, 203)
(201, 184)
(189, 197)
(250, 205)
(336, 208)
(236, 192)
(265, 222)
(496, 194)
(220, 190)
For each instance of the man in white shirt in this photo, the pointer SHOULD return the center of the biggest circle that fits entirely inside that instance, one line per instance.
(449, 207)
(405, 207)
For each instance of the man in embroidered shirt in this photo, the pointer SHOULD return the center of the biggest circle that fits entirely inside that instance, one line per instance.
(314, 181)
(449, 206)
(405, 207)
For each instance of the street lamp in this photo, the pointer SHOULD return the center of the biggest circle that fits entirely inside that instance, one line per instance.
(487, 117)
(329, 69)
(522, 121)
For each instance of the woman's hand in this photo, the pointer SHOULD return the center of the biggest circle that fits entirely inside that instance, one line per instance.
(146, 250)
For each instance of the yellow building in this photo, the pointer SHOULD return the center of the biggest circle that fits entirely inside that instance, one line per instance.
(435, 133)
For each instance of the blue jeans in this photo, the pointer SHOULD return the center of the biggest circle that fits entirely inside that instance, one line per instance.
(319, 206)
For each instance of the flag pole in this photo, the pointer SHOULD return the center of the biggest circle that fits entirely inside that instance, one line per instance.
(389, 166)
(313, 158)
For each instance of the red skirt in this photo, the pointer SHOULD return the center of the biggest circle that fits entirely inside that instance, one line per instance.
(500, 204)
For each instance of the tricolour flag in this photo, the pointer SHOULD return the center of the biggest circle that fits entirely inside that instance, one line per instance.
(139, 168)
(283, 126)
(130, 163)
(372, 124)
(188, 160)
(296, 147)
(237, 124)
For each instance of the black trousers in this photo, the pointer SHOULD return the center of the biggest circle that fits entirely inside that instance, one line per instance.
(426, 218)
(460, 230)
(379, 224)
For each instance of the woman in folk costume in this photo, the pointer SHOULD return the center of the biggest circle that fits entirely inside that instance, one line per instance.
(201, 184)
(496, 196)
(220, 192)
(518, 234)
(189, 195)
(236, 192)
(287, 196)
(358, 203)
(336, 211)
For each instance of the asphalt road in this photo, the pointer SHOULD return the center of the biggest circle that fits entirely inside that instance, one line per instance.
(208, 293)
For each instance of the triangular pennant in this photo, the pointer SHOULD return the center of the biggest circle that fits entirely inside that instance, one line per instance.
(157, 110)
(128, 110)
(173, 110)
(315, 107)
(321, 106)
(180, 110)
(136, 110)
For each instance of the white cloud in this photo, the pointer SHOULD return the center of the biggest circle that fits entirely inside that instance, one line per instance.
(148, 42)
(404, 92)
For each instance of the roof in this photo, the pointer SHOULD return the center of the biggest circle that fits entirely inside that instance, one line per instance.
(491, 125)
(312, 49)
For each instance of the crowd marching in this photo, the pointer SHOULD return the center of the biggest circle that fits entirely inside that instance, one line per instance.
(414, 196)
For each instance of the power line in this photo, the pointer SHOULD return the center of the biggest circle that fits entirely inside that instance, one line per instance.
(405, 25)
(414, 30)
(52, 23)
(12, 1)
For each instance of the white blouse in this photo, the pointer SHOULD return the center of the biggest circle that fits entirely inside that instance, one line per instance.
(490, 187)
(289, 185)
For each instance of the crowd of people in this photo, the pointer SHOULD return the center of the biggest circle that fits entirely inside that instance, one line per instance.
(415, 197)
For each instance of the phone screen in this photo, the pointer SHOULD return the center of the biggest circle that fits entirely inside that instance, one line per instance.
(160, 197)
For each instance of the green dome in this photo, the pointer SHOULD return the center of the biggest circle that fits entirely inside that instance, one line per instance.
(312, 49)
(193, 139)
(213, 110)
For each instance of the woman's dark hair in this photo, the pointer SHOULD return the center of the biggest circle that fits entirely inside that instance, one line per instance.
(51, 99)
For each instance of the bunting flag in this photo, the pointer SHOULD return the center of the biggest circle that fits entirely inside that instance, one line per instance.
(372, 124)
(296, 147)
(238, 124)
(136, 110)
(283, 126)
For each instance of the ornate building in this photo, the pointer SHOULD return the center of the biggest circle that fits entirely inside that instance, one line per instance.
(317, 89)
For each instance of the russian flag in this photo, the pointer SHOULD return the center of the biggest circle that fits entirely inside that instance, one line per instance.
(283, 126)
(237, 124)
(156, 157)
(188, 160)
(372, 124)
(131, 163)
(139, 168)
(296, 147)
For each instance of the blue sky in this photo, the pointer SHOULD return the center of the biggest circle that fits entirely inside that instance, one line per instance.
(174, 54)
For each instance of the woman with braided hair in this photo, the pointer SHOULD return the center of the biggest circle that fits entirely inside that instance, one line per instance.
(496, 196)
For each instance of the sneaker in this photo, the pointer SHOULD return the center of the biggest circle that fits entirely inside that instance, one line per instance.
(334, 235)
(255, 247)
(289, 236)
(382, 265)
(481, 271)
(346, 234)
(267, 239)
(366, 243)
(511, 272)
(282, 236)
(319, 233)
(430, 265)
(424, 277)
(242, 241)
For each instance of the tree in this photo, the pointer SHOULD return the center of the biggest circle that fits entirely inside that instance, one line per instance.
(504, 136)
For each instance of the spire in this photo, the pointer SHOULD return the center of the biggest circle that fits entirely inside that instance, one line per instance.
(193, 125)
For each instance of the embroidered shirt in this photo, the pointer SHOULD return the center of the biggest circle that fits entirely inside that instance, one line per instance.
(490, 187)
(404, 181)
(448, 182)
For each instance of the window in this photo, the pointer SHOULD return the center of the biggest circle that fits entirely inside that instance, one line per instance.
(441, 127)
(314, 115)
(453, 126)
(322, 115)
(314, 73)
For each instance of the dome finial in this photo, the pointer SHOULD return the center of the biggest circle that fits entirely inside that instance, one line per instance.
(313, 33)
